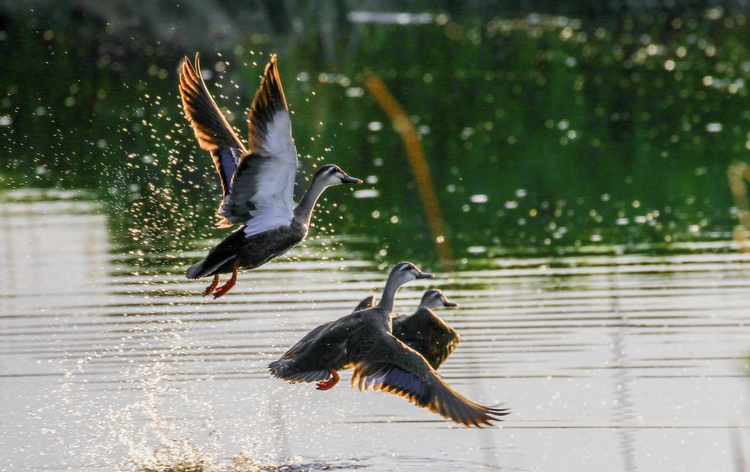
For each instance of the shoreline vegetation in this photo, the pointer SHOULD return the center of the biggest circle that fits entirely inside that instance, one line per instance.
(596, 127)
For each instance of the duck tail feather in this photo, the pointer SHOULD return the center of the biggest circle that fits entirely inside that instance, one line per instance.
(195, 271)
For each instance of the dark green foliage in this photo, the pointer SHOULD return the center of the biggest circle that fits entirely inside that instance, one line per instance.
(541, 132)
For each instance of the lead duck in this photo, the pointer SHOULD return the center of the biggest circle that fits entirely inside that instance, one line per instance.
(257, 182)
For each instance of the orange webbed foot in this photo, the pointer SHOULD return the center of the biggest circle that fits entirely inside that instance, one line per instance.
(328, 384)
(212, 286)
(227, 286)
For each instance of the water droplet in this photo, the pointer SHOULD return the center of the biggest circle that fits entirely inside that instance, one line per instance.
(355, 92)
(366, 193)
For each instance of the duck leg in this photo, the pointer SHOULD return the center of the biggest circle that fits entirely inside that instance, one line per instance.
(328, 384)
(212, 286)
(230, 283)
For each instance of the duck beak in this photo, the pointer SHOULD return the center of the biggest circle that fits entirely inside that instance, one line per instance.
(424, 275)
(351, 180)
(450, 304)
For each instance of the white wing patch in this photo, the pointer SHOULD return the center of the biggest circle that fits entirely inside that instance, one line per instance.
(274, 179)
(265, 222)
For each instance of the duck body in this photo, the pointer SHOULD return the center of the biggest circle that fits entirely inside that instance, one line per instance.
(424, 331)
(363, 341)
(257, 181)
(248, 252)
(332, 346)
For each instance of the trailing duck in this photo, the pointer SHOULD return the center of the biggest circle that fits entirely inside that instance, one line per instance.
(363, 340)
(424, 331)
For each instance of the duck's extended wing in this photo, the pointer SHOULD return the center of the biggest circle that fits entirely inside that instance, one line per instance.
(426, 333)
(312, 357)
(393, 367)
(212, 130)
(261, 192)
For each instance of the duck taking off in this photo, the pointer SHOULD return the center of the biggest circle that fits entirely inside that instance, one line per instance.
(257, 182)
(363, 341)
(424, 331)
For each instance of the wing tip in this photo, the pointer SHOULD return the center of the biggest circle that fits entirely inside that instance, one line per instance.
(188, 66)
(272, 68)
(268, 101)
(274, 368)
(490, 414)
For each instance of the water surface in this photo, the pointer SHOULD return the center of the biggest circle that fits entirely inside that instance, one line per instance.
(608, 362)
(579, 160)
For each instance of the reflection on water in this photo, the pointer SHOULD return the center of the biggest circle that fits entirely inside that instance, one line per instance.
(607, 362)
(540, 130)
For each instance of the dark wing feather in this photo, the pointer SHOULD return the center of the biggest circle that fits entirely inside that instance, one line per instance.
(393, 367)
(312, 357)
(426, 333)
(268, 102)
(261, 192)
(285, 370)
(212, 130)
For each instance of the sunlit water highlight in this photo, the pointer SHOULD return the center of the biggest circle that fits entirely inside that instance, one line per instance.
(607, 362)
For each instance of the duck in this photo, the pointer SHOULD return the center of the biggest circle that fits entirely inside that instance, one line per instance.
(364, 341)
(424, 331)
(257, 181)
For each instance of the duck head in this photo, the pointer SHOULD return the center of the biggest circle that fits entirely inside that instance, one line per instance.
(331, 174)
(401, 273)
(434, 299)
(405, 272)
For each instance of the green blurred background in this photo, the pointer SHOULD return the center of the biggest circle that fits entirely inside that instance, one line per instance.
(548, 129)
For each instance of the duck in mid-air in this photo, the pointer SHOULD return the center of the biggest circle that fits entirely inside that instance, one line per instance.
(257, 181)
(424, 331)
(363, 340)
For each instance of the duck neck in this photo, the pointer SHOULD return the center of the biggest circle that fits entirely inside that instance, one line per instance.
(303, 211)
(389, 293)
(429, 305)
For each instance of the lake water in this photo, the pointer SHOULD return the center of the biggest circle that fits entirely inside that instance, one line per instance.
(577, 158)
(607, 361)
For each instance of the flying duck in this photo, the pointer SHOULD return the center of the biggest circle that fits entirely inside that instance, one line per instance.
(363, 340)
(257, 182)
(424, 331)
